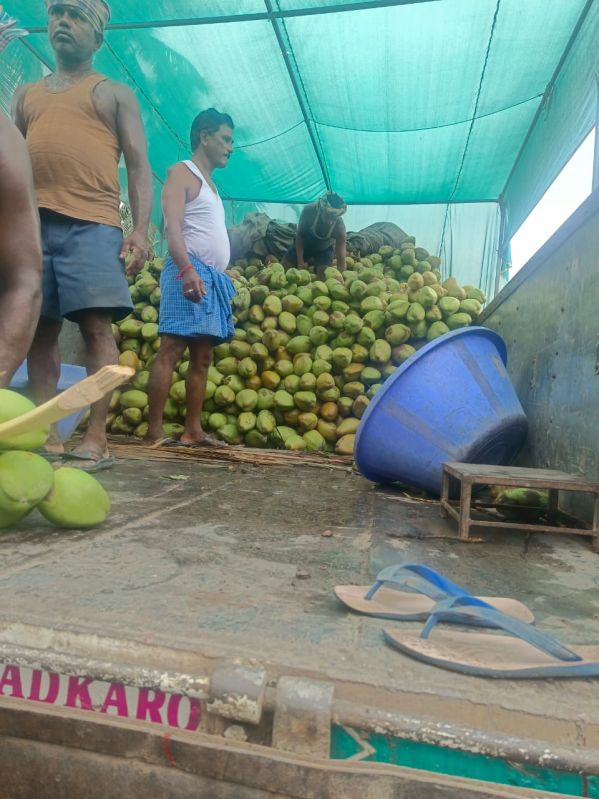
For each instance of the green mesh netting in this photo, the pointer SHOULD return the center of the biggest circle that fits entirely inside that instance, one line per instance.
(565, 120)
(409, 103)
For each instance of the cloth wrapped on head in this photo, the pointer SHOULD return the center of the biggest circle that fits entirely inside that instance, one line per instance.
(97, 12)
(332, 204)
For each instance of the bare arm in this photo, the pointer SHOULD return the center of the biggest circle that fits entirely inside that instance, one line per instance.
(299, 240)
(132, 139)
(17, 108)
(299, 249)
(174, 197)
(21, 249)
(20, 253)
(341, 248)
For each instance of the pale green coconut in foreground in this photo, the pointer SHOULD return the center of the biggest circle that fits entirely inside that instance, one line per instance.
(76, 501)
(13, 405)
(25, 479)
(10, 518)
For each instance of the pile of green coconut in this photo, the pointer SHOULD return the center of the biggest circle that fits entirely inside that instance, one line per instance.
(308, 354)
(66, 497)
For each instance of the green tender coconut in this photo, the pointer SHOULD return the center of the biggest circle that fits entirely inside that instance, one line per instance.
(25, 479)
(77, 500)
(13, 405)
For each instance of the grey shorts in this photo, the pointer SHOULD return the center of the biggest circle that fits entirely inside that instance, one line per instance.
(83, 270)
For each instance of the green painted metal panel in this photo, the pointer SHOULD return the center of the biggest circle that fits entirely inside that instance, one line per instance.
(379, 748)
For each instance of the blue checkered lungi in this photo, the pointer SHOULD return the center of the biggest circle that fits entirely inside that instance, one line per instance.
(210, 317)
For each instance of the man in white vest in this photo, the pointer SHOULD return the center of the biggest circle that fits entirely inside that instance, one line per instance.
(195, 292)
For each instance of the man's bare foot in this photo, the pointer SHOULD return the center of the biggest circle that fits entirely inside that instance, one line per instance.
(89, 460)
(154, 436)
(90, 455)
(188, 438)
(201, 440)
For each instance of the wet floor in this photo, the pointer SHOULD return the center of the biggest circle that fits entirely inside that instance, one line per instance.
(240, 561)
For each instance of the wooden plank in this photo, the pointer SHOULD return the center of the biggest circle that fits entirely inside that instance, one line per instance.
(451, 510)
(476, 469)
(563, 519)
(532, 528)
(468, 474)
(528, 527)
(520, 477)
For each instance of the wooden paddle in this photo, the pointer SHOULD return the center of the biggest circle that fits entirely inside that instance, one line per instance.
(82, 394)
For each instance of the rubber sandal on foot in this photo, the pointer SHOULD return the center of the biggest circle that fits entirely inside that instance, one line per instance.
(98, 463)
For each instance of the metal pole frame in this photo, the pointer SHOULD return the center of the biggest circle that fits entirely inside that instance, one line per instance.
(501, 244)
(258, 16)
(596, 153)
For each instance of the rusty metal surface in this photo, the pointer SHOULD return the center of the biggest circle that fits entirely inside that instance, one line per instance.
(230, 566)
(49, 754)
(302, 717)
(237, 693)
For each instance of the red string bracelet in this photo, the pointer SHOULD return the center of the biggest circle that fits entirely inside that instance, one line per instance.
(183, 271)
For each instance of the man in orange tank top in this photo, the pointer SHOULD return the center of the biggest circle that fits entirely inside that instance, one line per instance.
(76, 124)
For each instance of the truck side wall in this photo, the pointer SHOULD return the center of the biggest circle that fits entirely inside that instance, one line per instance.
(548, 316)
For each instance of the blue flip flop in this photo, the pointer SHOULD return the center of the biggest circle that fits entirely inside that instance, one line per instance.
(422, 588)
(523, 653)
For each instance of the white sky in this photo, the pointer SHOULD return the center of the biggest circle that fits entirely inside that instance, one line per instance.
(562, 198)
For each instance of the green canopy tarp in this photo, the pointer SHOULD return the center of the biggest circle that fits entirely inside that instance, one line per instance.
(389, 103)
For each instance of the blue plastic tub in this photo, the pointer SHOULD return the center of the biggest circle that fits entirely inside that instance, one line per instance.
(451, 401)
(69, 375)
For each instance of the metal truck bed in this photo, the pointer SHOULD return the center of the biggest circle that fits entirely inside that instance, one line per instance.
(205, 604)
